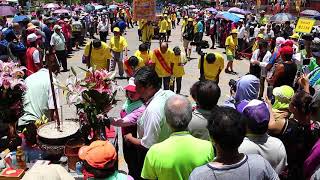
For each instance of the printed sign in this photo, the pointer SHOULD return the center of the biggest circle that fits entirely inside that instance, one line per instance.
(304, 25)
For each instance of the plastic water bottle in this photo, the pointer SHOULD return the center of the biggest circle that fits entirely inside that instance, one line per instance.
(79, 167)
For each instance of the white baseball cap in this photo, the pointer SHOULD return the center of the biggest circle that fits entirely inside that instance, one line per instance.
(56, 27)
(32, 37)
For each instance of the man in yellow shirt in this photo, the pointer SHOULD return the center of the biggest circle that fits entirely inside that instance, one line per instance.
(163, 26)
(100, 54)
(213, 64)
(118, 44)
(143, 53)
(147, 32)
(184, 23)
(177, 65)
(169, 28)
(161, 60)
(140, 24)
(173, 19)
(231, 46)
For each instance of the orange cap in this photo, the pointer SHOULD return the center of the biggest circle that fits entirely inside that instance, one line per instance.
(98, 154)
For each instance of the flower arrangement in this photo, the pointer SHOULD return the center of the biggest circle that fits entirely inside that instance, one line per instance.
(12, 88)
(93, 96)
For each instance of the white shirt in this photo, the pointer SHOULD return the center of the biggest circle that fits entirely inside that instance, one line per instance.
(264, 61)
(296, 57)
(103, 26)
(36, 56)
(270, 34)
(270, 148)
(38, 99)
(241, 31)
(152, 126)
(58, 41)
(256, 32)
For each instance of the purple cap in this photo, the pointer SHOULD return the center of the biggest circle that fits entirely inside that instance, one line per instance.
(254, 110)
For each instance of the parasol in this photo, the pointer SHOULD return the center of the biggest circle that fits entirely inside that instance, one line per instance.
(228, 16)
(309, 12)
(282, 17)
(51, 5)
(88, 8)
(61, 11)
(237, 11)
(7, 11)
(20, 18)
(192, 6)
(12, 1)
(248, 12)
(213, 10)
(99, 7)
(113, 6)
(239, 15)
(78, 8)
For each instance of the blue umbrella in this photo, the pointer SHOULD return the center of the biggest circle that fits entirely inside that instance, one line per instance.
(282, 17)
(228, 16)
(113, 6)
(20, 18)
(239, 15)
(99, 7)
(88, 8)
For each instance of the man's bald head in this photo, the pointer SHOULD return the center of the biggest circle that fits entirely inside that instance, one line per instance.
(178, 111)
(164, 47)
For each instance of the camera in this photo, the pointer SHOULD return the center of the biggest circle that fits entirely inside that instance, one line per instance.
(233, 85)
(200, 45)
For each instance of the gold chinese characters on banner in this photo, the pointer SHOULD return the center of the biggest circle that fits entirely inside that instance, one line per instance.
(144, 9)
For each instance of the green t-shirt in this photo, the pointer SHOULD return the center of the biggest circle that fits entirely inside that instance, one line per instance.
(313, 64)
(176, 157)
(315, 75)
(263, 21)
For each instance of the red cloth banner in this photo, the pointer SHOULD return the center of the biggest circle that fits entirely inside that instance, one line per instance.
(144, 9)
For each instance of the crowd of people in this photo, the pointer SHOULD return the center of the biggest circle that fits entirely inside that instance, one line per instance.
(268, 129)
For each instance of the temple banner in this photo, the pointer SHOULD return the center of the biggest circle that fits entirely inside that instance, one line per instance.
(144, 9)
